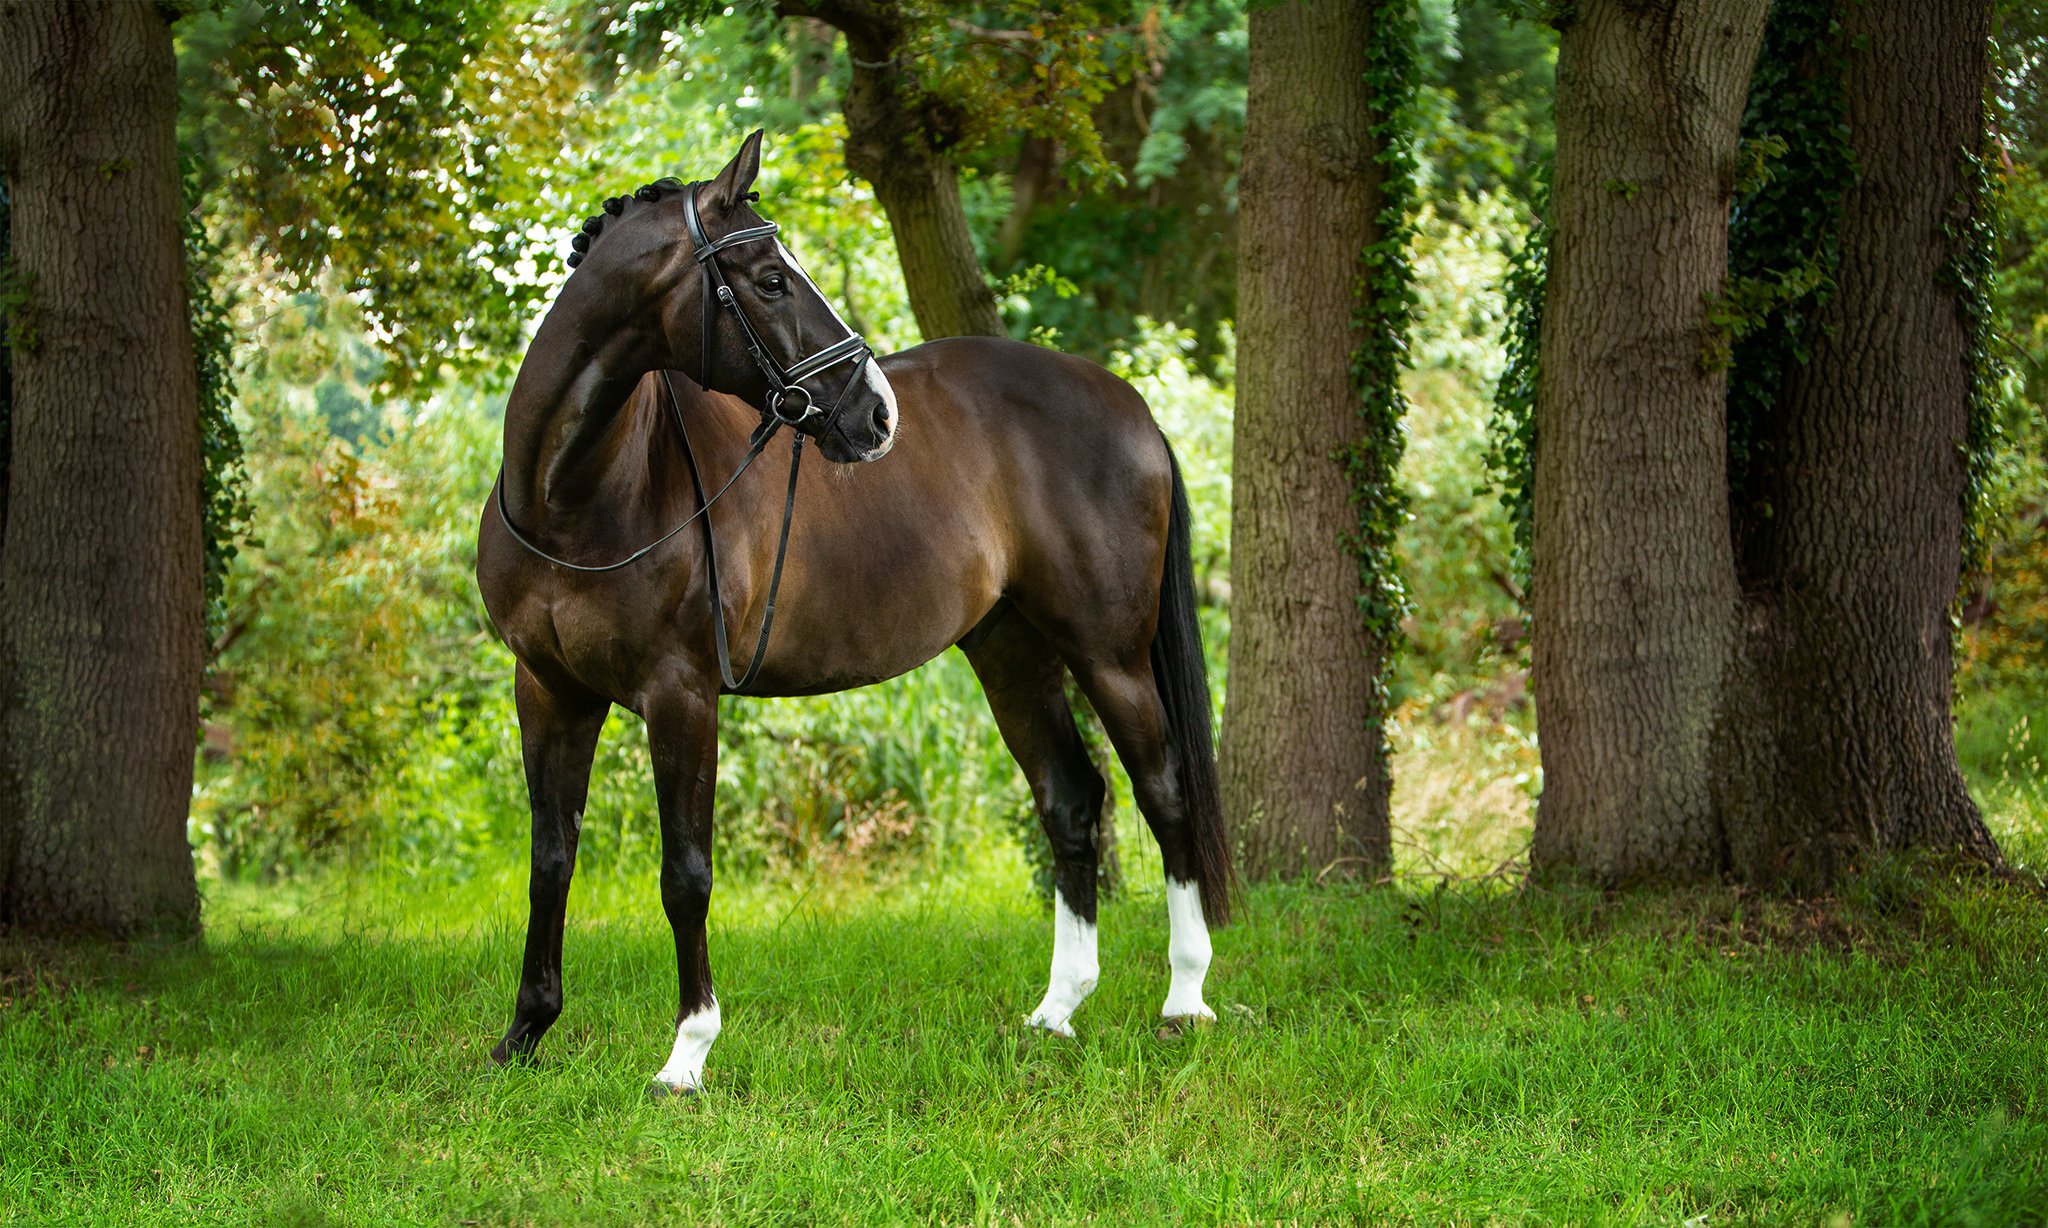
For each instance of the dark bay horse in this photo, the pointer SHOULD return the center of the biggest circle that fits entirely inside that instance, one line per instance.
(1016, 502)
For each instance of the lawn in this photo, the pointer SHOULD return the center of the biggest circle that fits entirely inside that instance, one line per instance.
(1478, 1053)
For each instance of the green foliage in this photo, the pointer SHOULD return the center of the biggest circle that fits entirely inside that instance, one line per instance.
(1756, 159)
(1023, 68)
(1384, 309)
(1032, 277)
(1782, 246)
(1196, 83)
(2018, 113)
(1748, 304)
(409, 149)
(1485, 75)
(355, 639)
(983, 75)
(1153, 238)
(1989, 447)
(1511, 451)
(224, 483)
(619, 36)
(1457, 546)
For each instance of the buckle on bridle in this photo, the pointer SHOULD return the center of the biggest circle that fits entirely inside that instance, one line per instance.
(778, 402)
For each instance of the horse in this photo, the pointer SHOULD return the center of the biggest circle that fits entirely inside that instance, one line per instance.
(1010, 500)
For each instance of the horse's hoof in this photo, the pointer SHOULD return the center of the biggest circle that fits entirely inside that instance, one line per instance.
(1175, 1026)
(659, 1091)
(1042, 1028)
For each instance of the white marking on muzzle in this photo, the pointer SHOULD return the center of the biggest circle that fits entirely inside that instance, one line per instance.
(882, 388)
(877, 382)
(1074, 969)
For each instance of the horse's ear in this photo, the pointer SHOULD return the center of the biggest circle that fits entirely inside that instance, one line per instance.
(738, 176)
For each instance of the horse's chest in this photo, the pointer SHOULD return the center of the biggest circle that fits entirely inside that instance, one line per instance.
(591, 638)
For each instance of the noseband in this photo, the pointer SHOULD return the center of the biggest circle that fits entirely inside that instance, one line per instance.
(785, 390)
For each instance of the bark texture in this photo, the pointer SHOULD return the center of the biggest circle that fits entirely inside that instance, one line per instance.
(1303, 767)
(896, 139)
(1634, 583)
(100, 572)
(1836, 736)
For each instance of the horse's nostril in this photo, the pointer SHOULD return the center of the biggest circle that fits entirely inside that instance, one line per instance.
(881, 420)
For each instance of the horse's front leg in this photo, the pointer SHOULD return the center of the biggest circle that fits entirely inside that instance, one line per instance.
(682, 733)
(557, 736)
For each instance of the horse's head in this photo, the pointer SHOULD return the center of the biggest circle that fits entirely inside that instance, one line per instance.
(701, 264)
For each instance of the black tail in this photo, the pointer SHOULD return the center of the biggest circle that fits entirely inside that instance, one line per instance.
(1181, 674)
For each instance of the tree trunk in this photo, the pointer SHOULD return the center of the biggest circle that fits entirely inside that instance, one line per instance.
(101, 565)
(1028, 182)
(1303, 766)
(1634, 587)
(895, 139)
(1836, 736)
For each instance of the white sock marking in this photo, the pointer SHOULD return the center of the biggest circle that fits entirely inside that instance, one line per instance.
(693, 1041)
(1074, 969)
(1187, 951)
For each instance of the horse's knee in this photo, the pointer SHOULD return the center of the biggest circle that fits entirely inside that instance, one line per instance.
(552, 869)
(686, 886)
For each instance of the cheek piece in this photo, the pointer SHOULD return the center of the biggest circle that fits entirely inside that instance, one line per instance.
(789, 402)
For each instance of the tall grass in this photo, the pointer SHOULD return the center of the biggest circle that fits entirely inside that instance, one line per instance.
(1478, 1054)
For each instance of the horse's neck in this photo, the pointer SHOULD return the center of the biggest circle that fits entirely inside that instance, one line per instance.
(579, 372)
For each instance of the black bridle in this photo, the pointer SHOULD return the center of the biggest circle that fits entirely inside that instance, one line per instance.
(785, 386)
(784, 383)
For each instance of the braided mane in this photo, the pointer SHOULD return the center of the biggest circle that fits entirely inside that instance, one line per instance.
(593, 226)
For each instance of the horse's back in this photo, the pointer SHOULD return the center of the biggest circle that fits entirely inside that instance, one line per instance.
(1078, 478)
(1054, 423)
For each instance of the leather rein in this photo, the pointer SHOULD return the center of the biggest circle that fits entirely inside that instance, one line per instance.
(785, 387)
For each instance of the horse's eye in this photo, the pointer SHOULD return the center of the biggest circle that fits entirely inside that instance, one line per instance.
(772, 285)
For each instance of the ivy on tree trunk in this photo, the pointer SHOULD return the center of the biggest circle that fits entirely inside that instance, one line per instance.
(1741, 608)
(1323, 299)
(1834, 738)
(1633, 584)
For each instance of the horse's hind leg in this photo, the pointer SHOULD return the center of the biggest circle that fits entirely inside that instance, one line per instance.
(1024, 681)
(1126, 698)
(557, 736)
(682, 735)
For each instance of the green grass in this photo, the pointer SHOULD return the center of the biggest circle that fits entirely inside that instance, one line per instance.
(1478, 1055)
